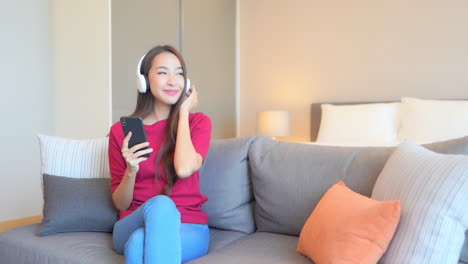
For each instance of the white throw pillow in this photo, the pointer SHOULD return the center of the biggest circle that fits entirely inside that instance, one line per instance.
(433, 189)
(359, 125)
(73, 158)
(425, 121)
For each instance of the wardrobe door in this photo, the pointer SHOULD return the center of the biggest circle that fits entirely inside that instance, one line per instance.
(203, 30)
(209, 46)
(137, 26)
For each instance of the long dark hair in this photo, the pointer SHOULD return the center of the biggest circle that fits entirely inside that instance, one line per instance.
(145, 106)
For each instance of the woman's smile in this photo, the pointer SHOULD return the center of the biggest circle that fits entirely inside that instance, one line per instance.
(171, 92)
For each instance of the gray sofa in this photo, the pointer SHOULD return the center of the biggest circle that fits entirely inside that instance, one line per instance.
(260, 191)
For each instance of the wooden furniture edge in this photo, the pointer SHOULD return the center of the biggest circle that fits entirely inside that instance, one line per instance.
(10, 224)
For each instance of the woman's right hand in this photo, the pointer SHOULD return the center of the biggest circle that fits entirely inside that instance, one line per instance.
(133, 155)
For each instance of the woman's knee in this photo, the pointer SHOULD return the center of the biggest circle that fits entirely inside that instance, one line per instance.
(162, 205)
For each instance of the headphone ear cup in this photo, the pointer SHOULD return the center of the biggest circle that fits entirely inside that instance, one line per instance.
(147, 83)
(142, 82)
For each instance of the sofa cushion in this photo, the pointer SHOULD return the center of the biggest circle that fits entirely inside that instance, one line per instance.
(74, 158)
(286, 194)
(433, 189)
(258, 248)
(77, 205)
(76, 185)
(221, 238)
(23, 246)
(289, 179)
(348, 226)
(225, 180)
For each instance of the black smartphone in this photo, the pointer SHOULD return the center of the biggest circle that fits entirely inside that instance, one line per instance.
(134, 124)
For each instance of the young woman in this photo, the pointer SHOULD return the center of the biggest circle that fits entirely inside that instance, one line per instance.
(161, 220)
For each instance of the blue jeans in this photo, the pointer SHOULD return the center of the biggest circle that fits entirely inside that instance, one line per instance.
(154, 234)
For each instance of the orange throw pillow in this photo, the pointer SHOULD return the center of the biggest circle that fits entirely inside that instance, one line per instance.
(347, 227)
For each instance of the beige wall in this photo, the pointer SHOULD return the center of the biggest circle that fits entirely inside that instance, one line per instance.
(81, 51)
(27, 102)
(55, 80)
(297, 52)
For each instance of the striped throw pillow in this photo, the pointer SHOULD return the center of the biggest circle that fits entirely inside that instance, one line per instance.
(433, 189)
(74, 158)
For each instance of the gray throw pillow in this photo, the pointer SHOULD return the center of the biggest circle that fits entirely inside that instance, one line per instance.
(225, 180)
(72, 205)
(289, 179)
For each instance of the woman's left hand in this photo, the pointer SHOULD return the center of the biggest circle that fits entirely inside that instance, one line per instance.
(191, 100)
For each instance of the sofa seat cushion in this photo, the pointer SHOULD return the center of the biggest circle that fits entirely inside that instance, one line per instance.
(23, 245)
(258, 248)
(222, 238)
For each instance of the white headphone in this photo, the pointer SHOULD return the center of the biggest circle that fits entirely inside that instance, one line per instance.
(142, 82)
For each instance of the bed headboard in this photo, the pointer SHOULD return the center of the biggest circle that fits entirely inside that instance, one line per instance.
(316, 114)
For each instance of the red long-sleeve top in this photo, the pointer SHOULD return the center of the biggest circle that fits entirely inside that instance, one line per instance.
(186, 192)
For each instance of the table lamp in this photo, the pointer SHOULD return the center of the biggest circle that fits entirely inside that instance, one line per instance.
(273, 123)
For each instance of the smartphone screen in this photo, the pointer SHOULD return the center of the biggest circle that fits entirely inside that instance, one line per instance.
(135, 125)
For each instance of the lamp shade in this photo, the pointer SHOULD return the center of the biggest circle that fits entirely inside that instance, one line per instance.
(273, 123)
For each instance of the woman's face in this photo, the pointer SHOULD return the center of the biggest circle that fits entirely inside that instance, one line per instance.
(166, 78)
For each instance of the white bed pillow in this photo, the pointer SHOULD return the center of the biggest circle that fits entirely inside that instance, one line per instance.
(359, 125)
(425, 121)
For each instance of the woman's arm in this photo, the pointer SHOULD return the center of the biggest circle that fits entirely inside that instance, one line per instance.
(123, 194)
(186, 159)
